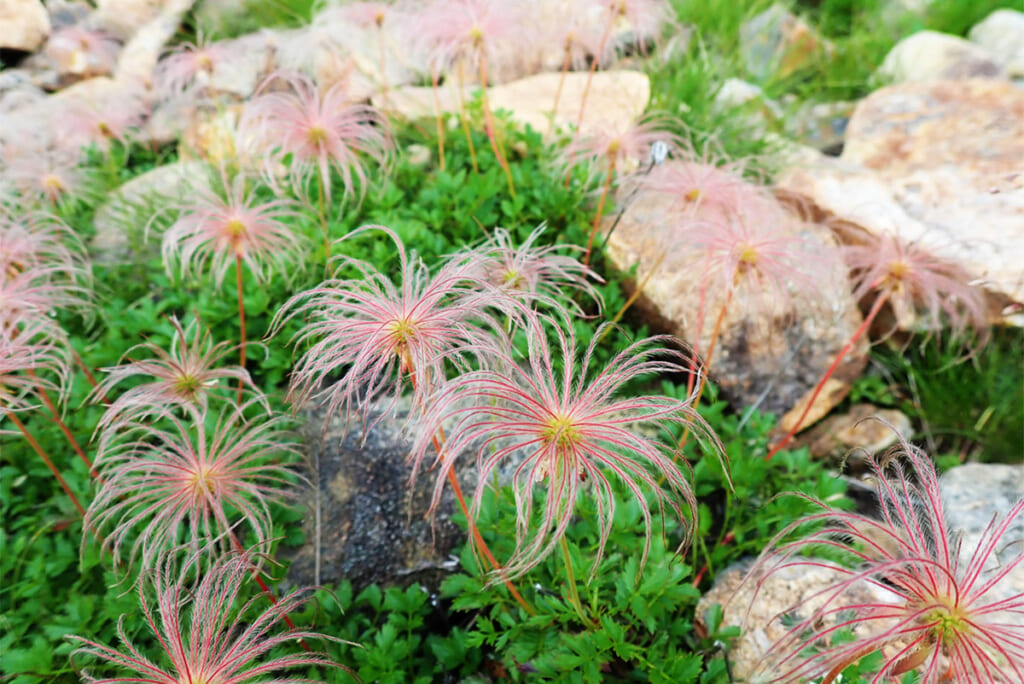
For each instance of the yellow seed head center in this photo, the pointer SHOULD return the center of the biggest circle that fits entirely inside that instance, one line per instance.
(613, 147)
(561, 431)
(317, 136)
(476, 36)
(401, 330)
(187, 386)
(52, 183)
(202, 483)
(898, 270)
(747, 255)
(693, 195)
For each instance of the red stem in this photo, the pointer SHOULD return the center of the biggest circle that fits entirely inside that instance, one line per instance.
(46, 459)
(241, 321)
(437, 112)
(478, 540)
(489, 126)
(875, 308)
(52, 408)
(266, 590)
(600, 209)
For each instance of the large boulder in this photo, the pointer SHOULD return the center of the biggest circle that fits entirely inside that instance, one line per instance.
(616, 99)
(938, 163)
(25, 25)
(784, 343)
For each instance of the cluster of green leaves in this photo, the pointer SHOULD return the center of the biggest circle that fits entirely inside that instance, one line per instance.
(918, 377)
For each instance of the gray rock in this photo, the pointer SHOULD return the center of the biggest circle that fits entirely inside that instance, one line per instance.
(1002, 35)
(974, 493)
(122, 221)
(777, 43)
(372, 525)
(930, 55)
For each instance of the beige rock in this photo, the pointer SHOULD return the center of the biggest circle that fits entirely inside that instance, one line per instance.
(936, 162)
(758, 609)
(123, 18)
(769, 352)
(149, 36)
(616, 99)
(1002, 35)
(929, 55)
(24, 25)
(856, 434)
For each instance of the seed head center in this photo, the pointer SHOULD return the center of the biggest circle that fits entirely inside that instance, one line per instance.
(561, 430)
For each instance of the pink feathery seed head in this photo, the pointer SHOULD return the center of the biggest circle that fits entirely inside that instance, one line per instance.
(187, 485)
(918, 283)
(27, 346)
(446, 31)
(577, 28)
(614, 145)
(317, 131)
(216, 228)
(572, 433)
(646, 19)
(37, 292)
(703, 190)
(82, 52)
(44, 175)
(535, 273)
(40, 243)
(388, 334)
(189, 66)
(186, 377)
(363, 14)
(206, 632)
(951, 618)
(760, 258)
(114, 117)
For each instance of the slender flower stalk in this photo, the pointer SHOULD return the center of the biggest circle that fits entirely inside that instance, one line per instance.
(611, 148)
(206, 632)
(476, 32)
(233, 228)
(26, 364)
(645, 17)
(915, 283)
(572, 430)
(951, 613)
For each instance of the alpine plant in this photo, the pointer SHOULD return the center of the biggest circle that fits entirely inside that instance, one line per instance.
(205, 632)
(954, 614)
(384, 335)
(186, 376)
(569, 433)
(180, 486)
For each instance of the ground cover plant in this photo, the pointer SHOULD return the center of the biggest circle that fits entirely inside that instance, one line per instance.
(150, 395)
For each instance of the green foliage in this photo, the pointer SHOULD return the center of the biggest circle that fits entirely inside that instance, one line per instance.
(985, 422)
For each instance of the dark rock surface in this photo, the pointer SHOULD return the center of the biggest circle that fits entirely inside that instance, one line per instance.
(373, 527)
